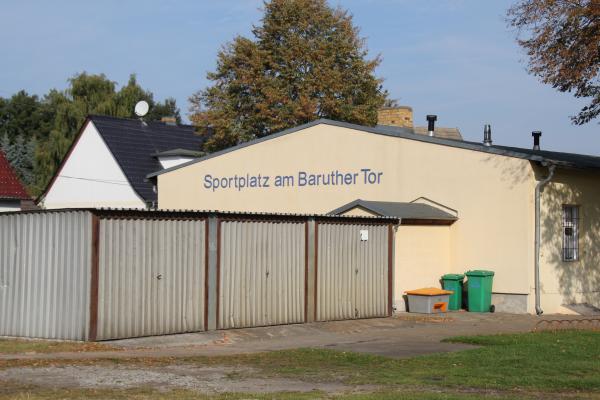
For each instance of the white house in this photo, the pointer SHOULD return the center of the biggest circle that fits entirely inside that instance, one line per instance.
(107, 163)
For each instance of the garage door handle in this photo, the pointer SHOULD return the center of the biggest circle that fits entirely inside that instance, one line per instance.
(267, 274)
(356, 271)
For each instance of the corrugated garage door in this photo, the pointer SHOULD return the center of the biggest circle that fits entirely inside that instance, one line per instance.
(262, 273)
(352, 273)
(151, 277)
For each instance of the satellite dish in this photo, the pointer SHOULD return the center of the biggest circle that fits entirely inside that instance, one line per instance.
(141, 108)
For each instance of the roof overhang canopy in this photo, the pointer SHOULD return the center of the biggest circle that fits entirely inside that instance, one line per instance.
(408, 213)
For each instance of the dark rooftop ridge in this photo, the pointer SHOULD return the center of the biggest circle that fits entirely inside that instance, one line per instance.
(133, 213)
(546, 157)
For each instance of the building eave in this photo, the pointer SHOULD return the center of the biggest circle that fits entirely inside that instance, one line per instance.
(403, 133)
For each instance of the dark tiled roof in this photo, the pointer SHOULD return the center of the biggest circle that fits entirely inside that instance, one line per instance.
(10, 185)
(398, 210)
(135, 145)
(569, 160)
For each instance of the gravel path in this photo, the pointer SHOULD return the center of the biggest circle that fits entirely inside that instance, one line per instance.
(212, 380)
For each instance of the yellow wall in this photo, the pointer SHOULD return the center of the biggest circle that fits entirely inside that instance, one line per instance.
(573, 281)
(493, 194)
(422, 256)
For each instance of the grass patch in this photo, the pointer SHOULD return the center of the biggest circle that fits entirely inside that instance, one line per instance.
(14, 346)
(32, 393)
(521, 366)
(545, 361)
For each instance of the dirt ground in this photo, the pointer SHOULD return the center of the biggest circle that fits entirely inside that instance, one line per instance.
(400, 337)
(208, 380)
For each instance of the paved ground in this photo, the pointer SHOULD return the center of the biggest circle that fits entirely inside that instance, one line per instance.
(403, 335)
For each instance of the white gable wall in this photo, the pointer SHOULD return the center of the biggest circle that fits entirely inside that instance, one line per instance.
(173, 161)
(91, 177)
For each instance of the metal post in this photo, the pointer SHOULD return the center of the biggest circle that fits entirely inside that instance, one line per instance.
(212, 273)
(310, 275)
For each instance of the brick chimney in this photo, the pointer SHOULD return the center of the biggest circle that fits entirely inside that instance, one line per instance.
(401, 116)
(169, 121)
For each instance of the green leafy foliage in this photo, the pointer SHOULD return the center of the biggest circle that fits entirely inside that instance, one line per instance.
(306, 61)
(21, 155)
(560, 38)
(37, 132)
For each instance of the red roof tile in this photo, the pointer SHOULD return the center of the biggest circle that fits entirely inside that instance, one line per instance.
(10, 185)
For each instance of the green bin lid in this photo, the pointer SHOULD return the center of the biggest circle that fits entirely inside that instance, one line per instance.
(454, 277)
(479, 272)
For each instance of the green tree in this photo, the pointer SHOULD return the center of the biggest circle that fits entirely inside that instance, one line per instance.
(306, 61)
(131, 93)
(21, 155)
(168, 108)
(23, 114)
(5, 145)
(36, 133)
(88, 94)
(562, 41)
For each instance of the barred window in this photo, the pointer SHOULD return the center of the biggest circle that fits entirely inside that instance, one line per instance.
(570, 233)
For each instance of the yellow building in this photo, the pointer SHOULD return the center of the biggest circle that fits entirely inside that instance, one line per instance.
(463, 205)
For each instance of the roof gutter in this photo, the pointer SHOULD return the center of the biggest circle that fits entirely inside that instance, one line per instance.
(538, 190)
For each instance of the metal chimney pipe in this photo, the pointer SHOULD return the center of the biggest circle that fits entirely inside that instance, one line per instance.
(487, 135)
(536, 139)
(431, 124)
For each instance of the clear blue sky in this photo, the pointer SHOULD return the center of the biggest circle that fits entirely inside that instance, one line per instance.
(453, 58)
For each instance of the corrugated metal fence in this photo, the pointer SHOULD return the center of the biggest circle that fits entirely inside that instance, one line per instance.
(45, 264)
(108, 274)
(150, 277)
(261, 273)
(352, 273)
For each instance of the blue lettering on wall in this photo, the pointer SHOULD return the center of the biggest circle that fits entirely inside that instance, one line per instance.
(363, 176)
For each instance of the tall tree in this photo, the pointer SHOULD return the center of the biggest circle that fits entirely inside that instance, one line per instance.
(36, 133)
(306, 61)
(562, 40)
(22, 114)
(131, 93)
(87, 94)
(20, 153)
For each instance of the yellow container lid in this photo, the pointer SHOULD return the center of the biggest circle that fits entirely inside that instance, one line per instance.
(430, 291)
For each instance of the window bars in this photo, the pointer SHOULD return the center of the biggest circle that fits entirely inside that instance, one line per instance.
(570, 233)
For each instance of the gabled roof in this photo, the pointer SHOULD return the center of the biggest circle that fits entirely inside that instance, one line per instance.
(561, 159)
(135, 144)
(10, 185)
(401, 210)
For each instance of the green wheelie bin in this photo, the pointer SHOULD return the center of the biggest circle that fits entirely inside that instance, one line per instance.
(479, 290)
(454, 282)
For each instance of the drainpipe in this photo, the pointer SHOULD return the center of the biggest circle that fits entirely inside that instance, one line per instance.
(538, 189)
